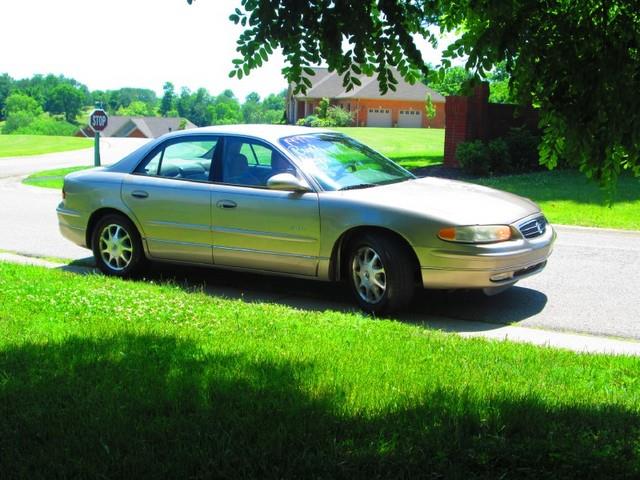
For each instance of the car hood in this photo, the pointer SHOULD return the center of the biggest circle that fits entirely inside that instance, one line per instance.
(452, 201)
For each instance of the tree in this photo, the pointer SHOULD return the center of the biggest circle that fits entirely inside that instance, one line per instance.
(19, 102)
(500, 81)
(450, 81)
(200, 108)
(323, 106)
(123, 97)
(225, 109)
(66, 99)
(252, 110)
(21, 110)
(275, 101)
(429, 107)
(137, 109)
(166, 105)
(578, 60)
(6, 86)
(184, 103)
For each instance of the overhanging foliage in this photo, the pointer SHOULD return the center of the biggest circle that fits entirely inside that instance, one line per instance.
(579, 60)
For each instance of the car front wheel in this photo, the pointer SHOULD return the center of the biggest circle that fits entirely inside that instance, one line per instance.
(116, 246)
(381, 273)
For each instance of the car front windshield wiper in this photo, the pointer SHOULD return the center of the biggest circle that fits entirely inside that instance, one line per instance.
(357, 186)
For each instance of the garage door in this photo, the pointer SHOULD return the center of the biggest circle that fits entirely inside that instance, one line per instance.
(379, 117)
(410, 119)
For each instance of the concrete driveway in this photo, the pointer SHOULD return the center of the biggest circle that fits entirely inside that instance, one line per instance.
(590, 285)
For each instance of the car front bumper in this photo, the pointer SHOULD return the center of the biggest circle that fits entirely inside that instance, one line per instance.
(490, 266)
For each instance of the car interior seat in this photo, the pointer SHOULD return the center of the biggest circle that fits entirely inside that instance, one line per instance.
(236, 170)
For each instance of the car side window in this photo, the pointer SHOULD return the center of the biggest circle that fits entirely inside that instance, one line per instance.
(189, 159)
(250, 163)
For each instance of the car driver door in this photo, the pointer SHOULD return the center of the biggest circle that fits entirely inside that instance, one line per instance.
(257, 227)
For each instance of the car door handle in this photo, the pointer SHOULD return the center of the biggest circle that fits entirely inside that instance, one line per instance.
(139, 194)
(226, 204)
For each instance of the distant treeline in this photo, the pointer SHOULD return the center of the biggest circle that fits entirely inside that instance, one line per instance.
(53, 105)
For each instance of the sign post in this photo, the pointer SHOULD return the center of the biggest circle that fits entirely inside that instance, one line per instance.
(98, 121)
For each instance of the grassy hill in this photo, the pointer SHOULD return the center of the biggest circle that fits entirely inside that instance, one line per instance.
(23, 145)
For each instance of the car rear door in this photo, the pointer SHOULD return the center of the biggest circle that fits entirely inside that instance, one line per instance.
(255, 227)
(170, 196)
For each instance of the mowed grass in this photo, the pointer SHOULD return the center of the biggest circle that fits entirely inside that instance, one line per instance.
(23, 145)
(568, 197)
(51, 178)
(410, 147)
(103, 378)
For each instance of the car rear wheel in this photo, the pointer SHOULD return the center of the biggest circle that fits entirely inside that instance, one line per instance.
(116, 246)
(381, 273)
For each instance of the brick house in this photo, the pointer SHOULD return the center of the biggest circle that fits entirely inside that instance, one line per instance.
(403, 108)
(138, 127)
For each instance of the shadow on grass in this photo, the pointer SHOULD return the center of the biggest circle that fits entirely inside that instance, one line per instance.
(428, 308)
(159, 407)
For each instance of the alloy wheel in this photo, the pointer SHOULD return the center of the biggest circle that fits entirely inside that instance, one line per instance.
(369, 276)
(116, 247)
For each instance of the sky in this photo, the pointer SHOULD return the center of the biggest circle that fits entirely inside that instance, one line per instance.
(110, 44)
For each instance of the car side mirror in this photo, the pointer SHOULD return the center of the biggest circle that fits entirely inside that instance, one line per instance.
(287, 182)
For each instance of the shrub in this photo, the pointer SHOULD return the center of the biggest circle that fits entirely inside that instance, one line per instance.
(523, 150)
(339, 117)
(499, 156)
(473, 157)
(22, 123)
(16, 121)
(336, 117)
(307, 121)
(48, 126)
(274, 116)
(517, 152)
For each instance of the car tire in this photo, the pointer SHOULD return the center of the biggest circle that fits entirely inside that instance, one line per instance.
(117, 246)
(381, 272)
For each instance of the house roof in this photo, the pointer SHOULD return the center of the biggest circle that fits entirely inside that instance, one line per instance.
(151, 127)
(329, 84)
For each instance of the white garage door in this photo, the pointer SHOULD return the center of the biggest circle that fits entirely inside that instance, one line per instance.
(379, 117)
(410, 119)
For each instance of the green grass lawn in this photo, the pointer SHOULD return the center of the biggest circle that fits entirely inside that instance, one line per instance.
(103, 378)
(22, 145)
(567, 197)
(410, 147)
(50, 178)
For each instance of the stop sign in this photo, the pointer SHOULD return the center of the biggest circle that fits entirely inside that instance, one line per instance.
(98, 120)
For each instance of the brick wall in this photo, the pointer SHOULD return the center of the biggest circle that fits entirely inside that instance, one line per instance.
(474, 118)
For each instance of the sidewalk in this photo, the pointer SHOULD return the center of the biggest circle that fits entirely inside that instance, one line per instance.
(468, 329)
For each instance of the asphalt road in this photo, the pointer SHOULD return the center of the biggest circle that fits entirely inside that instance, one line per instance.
(591, 283)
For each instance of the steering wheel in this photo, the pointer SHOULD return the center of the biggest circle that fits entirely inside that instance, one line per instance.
(343, 169)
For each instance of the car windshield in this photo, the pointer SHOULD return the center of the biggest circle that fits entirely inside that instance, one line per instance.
(338, 162)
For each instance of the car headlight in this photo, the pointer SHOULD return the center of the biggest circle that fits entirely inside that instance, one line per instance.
(476, 234)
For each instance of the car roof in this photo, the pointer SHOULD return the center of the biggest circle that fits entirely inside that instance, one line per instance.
(271, 133)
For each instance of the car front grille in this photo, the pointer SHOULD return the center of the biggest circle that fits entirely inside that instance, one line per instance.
(533, 228)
